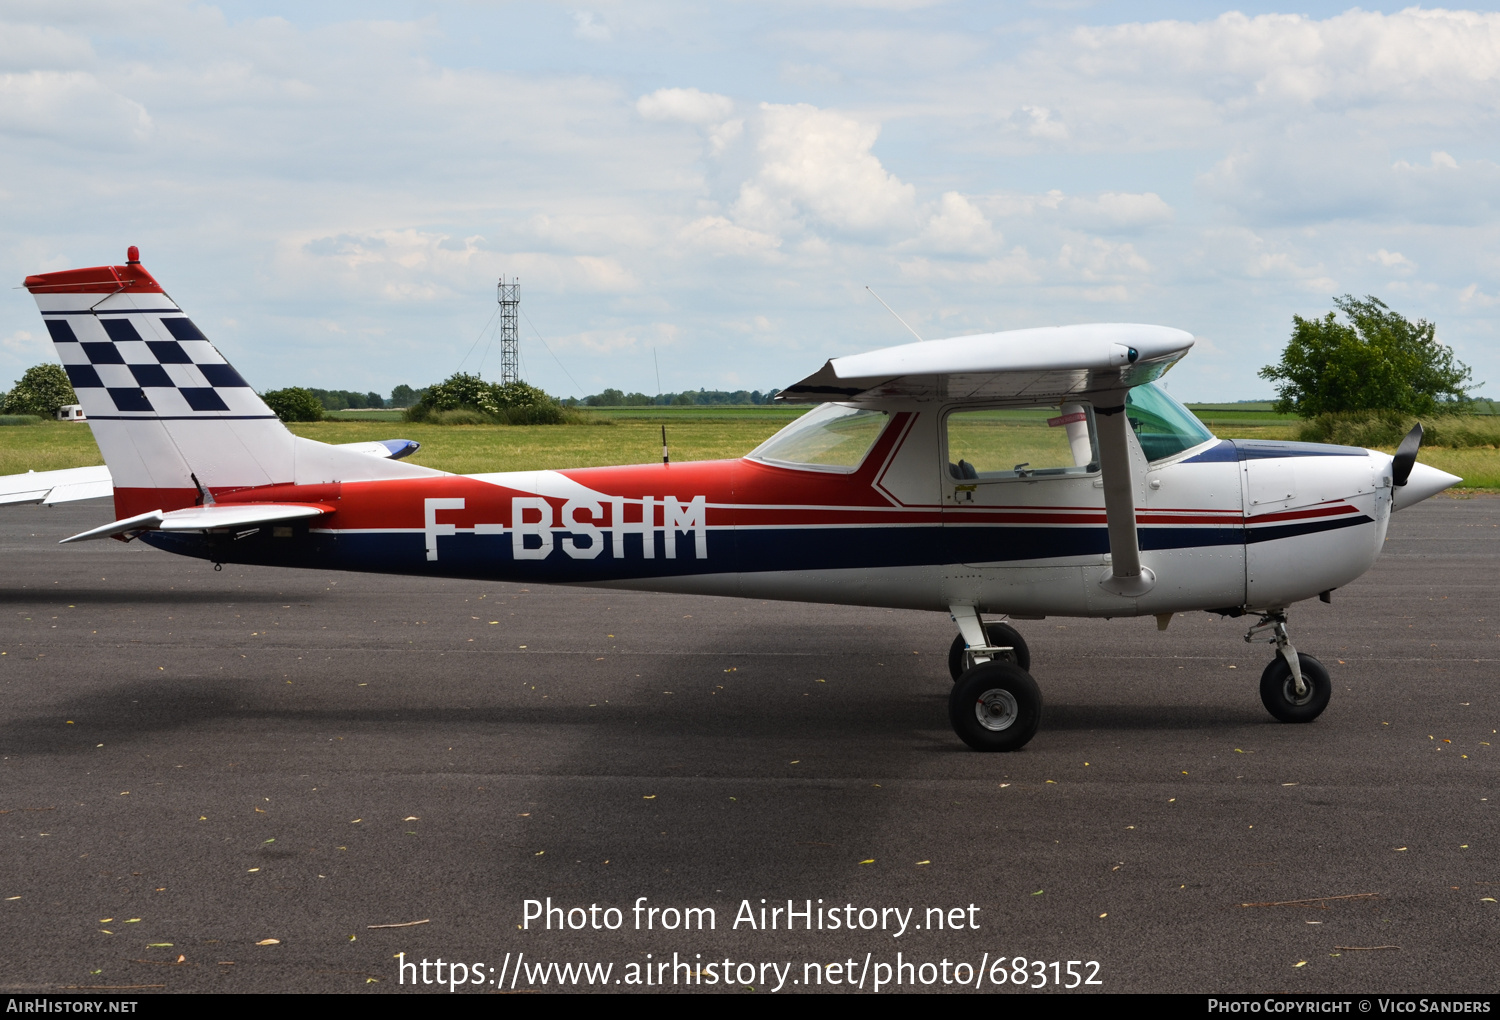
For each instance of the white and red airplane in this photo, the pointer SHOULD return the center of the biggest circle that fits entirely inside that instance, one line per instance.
(906, 487)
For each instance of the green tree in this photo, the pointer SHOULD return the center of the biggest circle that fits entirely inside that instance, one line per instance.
(1378, 360)
(41, 391)
(403, 396)
(294, 404)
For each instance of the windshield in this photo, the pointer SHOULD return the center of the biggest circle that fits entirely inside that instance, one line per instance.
(830, 437)
(1163, 426)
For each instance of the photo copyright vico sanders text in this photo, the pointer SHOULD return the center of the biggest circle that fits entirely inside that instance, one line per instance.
(875, 972)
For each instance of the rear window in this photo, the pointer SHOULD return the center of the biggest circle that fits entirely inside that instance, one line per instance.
(830, 437)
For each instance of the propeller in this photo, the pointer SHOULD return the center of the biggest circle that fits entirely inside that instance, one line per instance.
(1406, 455)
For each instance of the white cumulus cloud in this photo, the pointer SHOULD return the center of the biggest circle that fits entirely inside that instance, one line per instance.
(688, 105)
(818, 164)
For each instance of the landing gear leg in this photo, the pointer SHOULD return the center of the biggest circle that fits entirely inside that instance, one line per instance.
(1294, 687)
(995, 705)
(982, 642)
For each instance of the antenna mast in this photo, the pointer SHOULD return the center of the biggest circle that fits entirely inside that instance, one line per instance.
(509, 296)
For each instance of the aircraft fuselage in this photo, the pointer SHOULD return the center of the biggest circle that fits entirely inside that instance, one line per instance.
(1240, 523)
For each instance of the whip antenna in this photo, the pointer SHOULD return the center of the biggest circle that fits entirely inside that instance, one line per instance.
(893, 312)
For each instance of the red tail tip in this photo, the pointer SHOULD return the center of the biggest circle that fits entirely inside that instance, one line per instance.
(133, 255)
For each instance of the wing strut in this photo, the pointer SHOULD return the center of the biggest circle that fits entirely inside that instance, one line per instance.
(1126, 577)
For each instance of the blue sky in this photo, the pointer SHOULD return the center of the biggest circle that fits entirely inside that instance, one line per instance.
(331, 189)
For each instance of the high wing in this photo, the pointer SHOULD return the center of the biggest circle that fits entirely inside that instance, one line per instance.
(64, 486)
(1032, 364)
(1100, 361)
(393, 449)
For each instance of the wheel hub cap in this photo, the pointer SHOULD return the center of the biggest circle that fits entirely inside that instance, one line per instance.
(996, 710)
(1289, 692)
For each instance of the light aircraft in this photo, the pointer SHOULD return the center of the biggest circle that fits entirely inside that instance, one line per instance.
(908, 486)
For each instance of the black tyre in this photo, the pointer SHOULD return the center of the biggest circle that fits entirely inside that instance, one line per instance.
(1278, 689)
(998, 634)
(995, 706)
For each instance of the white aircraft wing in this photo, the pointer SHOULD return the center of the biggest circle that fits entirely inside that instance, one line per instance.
(393, 449)
(48, 487)
(70, 484)
(1032, 364)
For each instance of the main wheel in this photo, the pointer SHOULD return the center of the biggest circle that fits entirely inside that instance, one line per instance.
(1278, 689)
(995, 706)
(998, 634)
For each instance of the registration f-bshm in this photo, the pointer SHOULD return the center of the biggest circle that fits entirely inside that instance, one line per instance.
(910, 485)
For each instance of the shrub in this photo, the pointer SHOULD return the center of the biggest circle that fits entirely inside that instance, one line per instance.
(19, 419)
(481, 402)
(1388, 428)
(459, 416)
(41, 391)
(294, 404)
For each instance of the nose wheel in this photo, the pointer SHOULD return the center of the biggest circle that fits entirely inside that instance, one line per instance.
(1294, 687)
(1278, 689)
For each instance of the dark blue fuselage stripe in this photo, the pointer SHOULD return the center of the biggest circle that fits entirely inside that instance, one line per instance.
(205, 416)
(117, 311)
(1269, 533)
(745, 551)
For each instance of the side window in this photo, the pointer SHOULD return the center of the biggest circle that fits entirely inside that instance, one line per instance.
(1021, 443)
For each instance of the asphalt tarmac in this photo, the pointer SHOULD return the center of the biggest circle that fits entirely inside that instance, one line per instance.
(196, 763)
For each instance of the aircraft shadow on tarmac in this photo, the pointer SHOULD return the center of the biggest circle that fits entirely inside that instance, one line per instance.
(109, 597)
(1136, 717)
(132, 711)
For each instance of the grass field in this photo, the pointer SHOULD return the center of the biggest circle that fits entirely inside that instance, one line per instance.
(618, 436)
(463, 449)
(46, 447)
(470, 449)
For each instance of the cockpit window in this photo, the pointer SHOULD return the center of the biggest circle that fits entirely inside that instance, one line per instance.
(830, 437)
(1164, 427)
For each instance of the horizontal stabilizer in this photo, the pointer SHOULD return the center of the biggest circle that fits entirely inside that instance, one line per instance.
(205, 518)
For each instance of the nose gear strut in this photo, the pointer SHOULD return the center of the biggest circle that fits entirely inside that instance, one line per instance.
(1275, 622)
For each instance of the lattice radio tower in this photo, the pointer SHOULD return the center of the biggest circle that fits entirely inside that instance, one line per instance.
(509, 296)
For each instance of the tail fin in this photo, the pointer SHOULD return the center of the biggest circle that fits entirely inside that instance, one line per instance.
(173, 419)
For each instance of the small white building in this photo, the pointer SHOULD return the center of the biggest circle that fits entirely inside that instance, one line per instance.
(71, 412)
